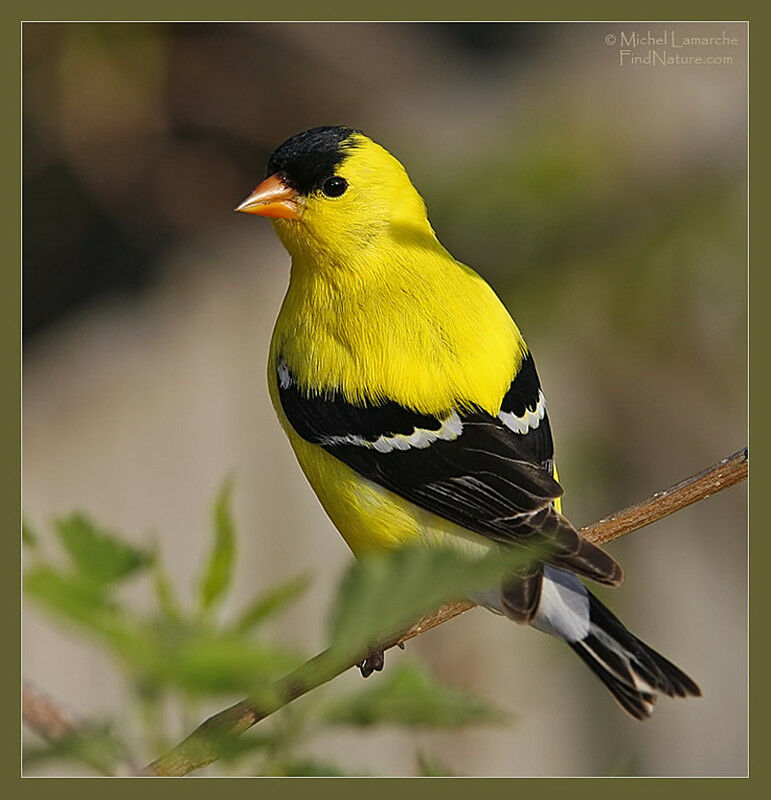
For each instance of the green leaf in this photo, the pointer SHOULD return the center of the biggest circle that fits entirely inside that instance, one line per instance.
(383, 594)
(219, 570)
(208, 663)
(270, 603)
(97, 554)
(412, 697)
(79, 600)
(161, 653)
(194, 658)
(68, 594)
(165, 595)
(431, 766)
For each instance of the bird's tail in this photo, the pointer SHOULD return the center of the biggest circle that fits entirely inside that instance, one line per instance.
(634, 672)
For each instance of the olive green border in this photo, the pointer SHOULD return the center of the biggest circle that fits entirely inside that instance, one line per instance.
(760, 742)
(595, 10)
(10, 275)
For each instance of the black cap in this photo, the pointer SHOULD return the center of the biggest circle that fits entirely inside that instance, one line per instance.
(307, 159)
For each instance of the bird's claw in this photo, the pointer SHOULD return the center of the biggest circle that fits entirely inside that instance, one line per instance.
(372, 663)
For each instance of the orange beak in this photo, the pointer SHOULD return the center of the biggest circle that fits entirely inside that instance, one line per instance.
(272, 198)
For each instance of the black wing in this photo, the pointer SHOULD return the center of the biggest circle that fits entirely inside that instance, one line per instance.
(491, 475)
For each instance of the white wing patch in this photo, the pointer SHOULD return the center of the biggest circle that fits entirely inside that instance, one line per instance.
(420, 438)
(529, 421)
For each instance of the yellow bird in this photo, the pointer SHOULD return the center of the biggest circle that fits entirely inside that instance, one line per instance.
(413, 404)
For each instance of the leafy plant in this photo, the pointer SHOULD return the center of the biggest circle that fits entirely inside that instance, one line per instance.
(183, 657)
(411, 697)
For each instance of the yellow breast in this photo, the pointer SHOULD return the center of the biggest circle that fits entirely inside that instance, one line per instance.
(430, 335)
(432, 345)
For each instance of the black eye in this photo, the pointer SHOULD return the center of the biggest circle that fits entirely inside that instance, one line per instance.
(334, 186)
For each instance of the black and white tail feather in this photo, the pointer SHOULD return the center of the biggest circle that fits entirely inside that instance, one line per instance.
(634, 672)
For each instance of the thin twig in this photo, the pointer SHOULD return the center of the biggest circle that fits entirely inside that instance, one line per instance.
(200, 747)
(719, 476)
(44, 717)
(52, 724)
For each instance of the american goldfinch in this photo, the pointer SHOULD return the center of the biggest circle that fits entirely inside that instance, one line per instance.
(413, 404)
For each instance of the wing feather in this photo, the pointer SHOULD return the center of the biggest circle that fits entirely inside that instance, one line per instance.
(491, 475)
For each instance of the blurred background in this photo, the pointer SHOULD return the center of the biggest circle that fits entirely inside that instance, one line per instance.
(607, 206)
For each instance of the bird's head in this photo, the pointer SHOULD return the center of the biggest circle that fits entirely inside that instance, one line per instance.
(332, 193)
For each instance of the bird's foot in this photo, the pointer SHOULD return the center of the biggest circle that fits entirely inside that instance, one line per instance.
(372, 663)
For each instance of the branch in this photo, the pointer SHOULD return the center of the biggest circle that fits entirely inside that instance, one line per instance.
(200, 747)
(719, 476)
(43, 716)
